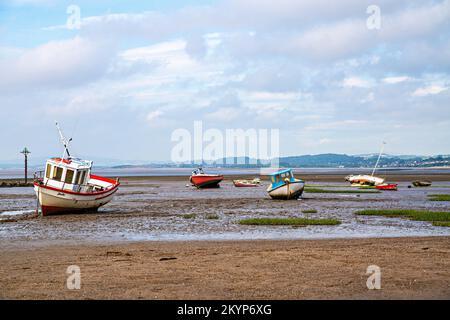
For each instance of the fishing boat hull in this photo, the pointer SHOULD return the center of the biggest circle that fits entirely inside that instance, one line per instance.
(59, 201)
(390, 187)
(288, 191)
(206, 181)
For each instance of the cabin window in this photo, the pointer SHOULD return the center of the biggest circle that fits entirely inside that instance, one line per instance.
(69, 176)
(77, 177)
(57, 173)
(81, 176)
(48, 171)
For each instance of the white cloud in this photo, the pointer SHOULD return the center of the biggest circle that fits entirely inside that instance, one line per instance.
(356, 82)
(429, 90)
(79, 103)
(32, 2)
(56, 63)
(268, 104)
(369, 98)
(340, 125)
(325, 141)
(277, 64)
(394, 80)
(153, 115)
(314, 29)
(416, 21)
(224, 114)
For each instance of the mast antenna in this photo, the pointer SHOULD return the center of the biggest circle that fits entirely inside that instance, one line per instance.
(64, 141)
(379, 156)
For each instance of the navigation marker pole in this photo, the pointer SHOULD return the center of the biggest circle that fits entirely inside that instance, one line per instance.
(26, 152)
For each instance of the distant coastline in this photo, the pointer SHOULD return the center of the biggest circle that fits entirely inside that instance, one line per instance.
(181, 172)
(327, 160)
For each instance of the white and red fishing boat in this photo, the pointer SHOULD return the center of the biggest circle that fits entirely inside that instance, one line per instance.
(203, 180)
(67, 185)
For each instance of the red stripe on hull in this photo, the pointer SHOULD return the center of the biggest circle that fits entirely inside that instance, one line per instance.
(113, 182)
(41, 185)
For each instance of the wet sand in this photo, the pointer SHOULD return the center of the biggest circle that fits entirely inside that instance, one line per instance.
(121, 249)
(411, 268)
(155, 208)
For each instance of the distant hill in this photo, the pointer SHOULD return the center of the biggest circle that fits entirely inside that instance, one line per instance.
(331, 160)
(327, 160)
(323, 160)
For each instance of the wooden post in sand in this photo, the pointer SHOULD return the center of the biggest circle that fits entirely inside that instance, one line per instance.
(25, 152)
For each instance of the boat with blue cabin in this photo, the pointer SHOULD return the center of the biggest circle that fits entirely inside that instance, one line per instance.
(284, 186)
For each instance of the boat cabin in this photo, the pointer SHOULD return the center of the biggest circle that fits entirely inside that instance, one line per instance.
(69, 174)
(279, 178)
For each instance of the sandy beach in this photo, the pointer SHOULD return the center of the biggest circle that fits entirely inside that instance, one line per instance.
(411, 268)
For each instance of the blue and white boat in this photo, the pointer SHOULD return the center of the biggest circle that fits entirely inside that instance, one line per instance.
(284, 186)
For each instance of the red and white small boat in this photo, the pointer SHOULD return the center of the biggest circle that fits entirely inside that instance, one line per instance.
(387, 186)
(67, 185)
(202, 180)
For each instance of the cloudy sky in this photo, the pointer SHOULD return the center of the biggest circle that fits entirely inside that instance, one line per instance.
(134, 71)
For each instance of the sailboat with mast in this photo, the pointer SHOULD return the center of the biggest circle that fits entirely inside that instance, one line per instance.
(365, 179)
(67, 184)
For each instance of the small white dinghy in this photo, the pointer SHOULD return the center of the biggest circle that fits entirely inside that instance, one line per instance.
(284, 186)
(67, 185)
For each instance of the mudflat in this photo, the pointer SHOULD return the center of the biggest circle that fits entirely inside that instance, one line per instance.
(411, 268)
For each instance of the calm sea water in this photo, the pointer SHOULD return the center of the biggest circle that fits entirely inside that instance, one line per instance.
(159, 172)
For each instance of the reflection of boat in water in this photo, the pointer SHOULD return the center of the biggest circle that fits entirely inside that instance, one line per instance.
(365, 179)
(203, 180)
(67, 185)
(387, 186)
(423, 183)
(284, 186)
(247, 183)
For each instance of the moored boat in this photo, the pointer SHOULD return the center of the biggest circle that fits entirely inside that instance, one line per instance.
(387, 186)
(365, 179)
(242, 183)
(202, 180)
(284, 186)
(422, 183)
(67, 185)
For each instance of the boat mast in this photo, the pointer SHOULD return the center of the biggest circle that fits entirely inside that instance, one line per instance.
(64, 141)
(379, 156)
